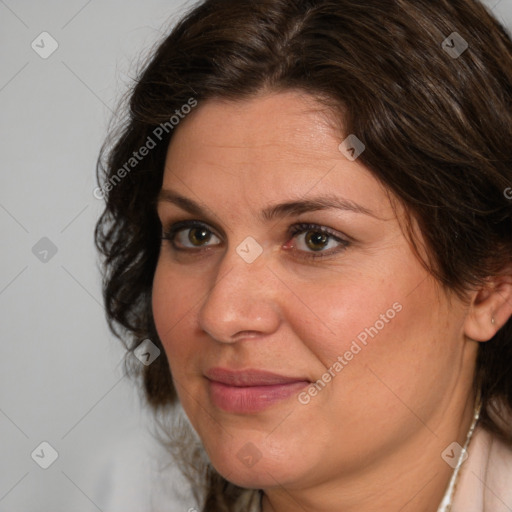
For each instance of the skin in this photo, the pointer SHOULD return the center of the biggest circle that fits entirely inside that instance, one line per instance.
(373, 437)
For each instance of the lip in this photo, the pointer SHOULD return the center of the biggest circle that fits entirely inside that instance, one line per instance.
(250, 391)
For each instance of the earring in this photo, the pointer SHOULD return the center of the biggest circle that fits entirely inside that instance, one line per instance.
(493, 321)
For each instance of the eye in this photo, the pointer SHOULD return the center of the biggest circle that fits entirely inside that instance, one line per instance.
(313, 240)
(184, 233)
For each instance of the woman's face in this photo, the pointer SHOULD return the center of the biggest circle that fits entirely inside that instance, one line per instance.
(299, 352)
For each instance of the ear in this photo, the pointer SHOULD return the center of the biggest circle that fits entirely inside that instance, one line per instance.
(490, 308)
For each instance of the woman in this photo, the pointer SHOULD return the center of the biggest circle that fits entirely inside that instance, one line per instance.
(307, 221)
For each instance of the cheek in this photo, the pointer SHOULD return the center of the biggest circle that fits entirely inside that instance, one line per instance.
(173, 311)
(377, 334)
(163, 303)
(348, 312)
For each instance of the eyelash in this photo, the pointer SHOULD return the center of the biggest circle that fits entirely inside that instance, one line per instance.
(294, 230)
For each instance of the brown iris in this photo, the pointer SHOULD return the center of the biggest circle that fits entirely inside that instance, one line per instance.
(197, 236)
(316, 240)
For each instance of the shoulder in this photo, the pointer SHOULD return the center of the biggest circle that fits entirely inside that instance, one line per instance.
(485, 483)
(498, 482)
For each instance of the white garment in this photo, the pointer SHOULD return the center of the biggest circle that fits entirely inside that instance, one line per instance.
(485, 480)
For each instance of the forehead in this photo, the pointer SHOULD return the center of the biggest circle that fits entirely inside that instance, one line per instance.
(269, 146)
(270, 124)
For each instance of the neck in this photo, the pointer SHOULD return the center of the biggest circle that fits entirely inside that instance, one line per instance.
(413, 479)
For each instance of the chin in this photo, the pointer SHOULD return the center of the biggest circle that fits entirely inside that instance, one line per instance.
(258, 477)
(246, 465)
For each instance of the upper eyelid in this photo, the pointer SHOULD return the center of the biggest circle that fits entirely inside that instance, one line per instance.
(176, 227)
(185, 223)
(302, 227)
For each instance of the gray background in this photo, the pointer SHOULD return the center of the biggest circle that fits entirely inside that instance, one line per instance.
(61, 381)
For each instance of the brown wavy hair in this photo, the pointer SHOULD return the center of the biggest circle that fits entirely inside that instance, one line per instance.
(437, 130)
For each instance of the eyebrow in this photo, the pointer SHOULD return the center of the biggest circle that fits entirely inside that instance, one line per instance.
(269, 213)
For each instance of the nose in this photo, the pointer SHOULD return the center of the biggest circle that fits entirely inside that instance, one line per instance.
(243, 301)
